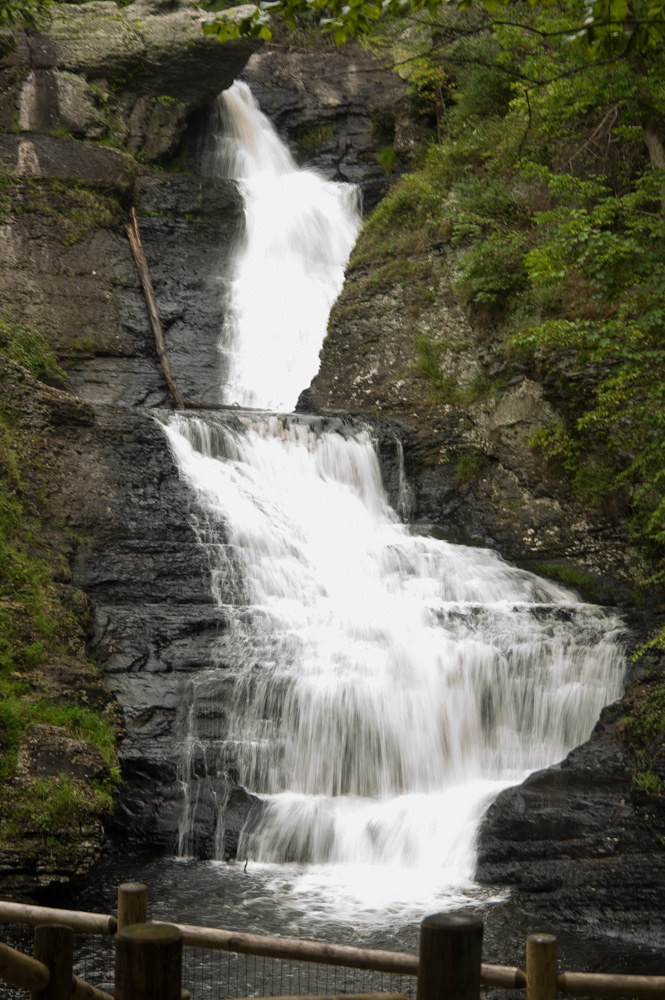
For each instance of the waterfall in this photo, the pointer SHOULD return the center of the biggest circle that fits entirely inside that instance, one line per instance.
(374, 688)
(299, 232)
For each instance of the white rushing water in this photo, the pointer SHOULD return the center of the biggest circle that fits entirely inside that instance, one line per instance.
(299, 232)
(375, 688)
(380, 688)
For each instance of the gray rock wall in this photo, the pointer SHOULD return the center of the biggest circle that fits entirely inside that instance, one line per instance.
(93, 101)
(87, 106)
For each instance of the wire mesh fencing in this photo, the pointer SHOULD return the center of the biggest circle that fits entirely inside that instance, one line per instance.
(216, 975)
(20, 938)
(210, 974)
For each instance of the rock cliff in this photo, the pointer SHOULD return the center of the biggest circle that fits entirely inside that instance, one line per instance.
(93, 107)
(340, 110)
(88, 105)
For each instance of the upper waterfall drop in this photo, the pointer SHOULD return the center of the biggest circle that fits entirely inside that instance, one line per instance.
(289, 269)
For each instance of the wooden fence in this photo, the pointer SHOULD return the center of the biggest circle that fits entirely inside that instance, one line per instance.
(148, 958)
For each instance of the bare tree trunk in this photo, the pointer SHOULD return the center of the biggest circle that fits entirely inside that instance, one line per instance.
(654, 144)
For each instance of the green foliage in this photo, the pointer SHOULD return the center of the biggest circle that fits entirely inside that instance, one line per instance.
(493, 270)
(29, 347)
(429, 354)
(402, 222)
(165, 100)
(469, 464)
(387, 158)
(36, 625)
(651, 721)
(649, 782)
(543, 186)
(20, 710)
(602, 28)
(445, 386)
(314, 137)
(570, 575)
(611, 246)
(178, 164)
(655, 644)
(28, 13)
(615, 26)
(74, 208)
(53, 811)
(644, 731)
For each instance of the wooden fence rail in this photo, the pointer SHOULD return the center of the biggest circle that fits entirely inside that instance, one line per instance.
(604, 984)
(393, 962)
(33, 916)
(541, 980)
(86, 991)
(48, 976)
(22, 971)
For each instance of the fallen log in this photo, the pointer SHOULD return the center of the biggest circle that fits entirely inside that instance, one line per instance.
(132, 230)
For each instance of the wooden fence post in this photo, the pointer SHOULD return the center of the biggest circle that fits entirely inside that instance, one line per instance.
(148, 962)
(54, 947)
(450, 953)
(541, 967)
(132, 904)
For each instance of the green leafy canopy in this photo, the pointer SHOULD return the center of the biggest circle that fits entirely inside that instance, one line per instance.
(607, 28)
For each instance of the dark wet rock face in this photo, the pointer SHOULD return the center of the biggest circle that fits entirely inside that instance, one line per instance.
(86, 296)
(580, 846)
(189, 228)
(41, 157)
(155, 622)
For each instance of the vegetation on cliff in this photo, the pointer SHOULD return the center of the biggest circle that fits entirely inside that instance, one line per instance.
(548, 179)
(57, 724)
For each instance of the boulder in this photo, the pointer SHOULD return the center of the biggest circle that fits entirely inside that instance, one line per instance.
(580, 845)
(130, 76)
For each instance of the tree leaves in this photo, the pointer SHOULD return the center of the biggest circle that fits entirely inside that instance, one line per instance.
(607, 28)
(22, 12)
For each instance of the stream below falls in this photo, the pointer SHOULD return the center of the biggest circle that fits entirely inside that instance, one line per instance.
(375, 689)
